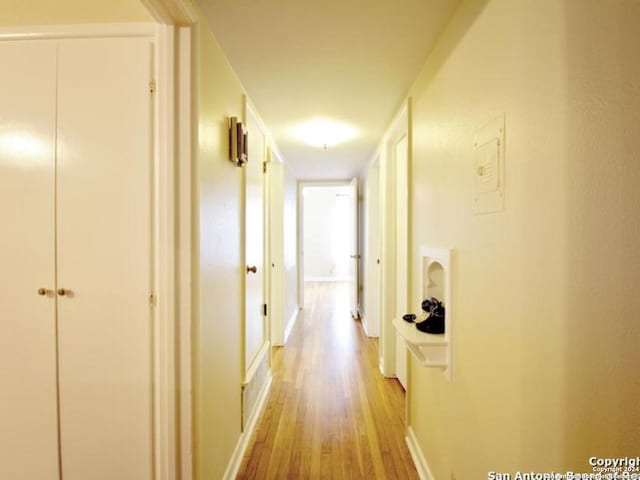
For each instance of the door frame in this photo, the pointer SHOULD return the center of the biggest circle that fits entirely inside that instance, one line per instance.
(400, 126)
(174, 251)
(176, 116)
(177, 120)
(401, 179)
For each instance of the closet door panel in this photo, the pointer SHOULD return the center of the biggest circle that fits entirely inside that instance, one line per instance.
(28, 411)
(104, 253)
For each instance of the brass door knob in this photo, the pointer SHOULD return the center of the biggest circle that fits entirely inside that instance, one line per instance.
(42, 292)
(62, 292)
(252, 269)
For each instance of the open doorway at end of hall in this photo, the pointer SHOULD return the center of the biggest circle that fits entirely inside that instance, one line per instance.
(329, 236)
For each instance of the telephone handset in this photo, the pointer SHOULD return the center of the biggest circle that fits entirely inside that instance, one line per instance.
(434, 322)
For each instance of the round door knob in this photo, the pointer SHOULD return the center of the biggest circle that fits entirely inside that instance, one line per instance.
(42, 292)
(62, 292)
(252, 269)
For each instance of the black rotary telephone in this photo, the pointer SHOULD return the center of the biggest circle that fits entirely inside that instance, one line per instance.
(434, 316)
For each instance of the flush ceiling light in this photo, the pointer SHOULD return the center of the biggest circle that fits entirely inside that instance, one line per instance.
(323, 133)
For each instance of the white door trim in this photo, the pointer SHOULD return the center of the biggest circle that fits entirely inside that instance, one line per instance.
(398, 128)
(175, 137)
(186, 139)
(165, 246)
(90, 30)
(172, 12)
(177, 115)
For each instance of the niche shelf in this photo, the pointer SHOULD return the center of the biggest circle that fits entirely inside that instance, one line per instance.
(432, 350)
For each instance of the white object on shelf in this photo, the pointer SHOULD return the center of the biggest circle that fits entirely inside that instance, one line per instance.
(432, 350)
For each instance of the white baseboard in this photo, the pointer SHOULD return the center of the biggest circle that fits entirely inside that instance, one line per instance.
(245, 438)
(326, 279)
(365, 326)
(424, 472)
(383, 370)
(292, 321)
(363, 322)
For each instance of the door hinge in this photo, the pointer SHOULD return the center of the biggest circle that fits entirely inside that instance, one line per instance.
(264, 167)
(264, 309)
(152, 86)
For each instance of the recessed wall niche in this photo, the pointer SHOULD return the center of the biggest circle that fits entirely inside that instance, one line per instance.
(436, 281)
(434, 284)
(432, 350)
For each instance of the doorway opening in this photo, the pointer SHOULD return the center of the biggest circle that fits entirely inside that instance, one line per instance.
(329, 238)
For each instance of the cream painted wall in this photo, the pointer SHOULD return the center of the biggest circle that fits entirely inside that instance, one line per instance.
(546, 329)
(52, 12)
(290, 245)
(218, 280)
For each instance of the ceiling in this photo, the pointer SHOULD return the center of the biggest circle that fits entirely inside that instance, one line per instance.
(345, 61)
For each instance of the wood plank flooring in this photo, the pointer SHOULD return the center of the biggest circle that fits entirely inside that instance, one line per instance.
(330, 414)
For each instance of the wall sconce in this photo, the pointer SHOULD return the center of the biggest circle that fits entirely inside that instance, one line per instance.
(238, 142)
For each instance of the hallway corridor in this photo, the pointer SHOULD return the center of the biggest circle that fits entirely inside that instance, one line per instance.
(331, 414)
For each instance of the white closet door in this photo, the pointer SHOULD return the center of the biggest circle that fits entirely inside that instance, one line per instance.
(28, 411)
(104, 252)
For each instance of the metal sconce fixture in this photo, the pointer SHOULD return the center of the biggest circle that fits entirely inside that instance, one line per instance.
(238, 142)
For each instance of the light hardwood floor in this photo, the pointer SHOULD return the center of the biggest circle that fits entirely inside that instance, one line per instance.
(331, 414)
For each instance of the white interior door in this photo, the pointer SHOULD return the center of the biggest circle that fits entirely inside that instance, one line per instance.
(276, 248)
(402, 251)
(372, 283)
(28, 391)
(355, 255)
(254, 328)
(104, 258)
